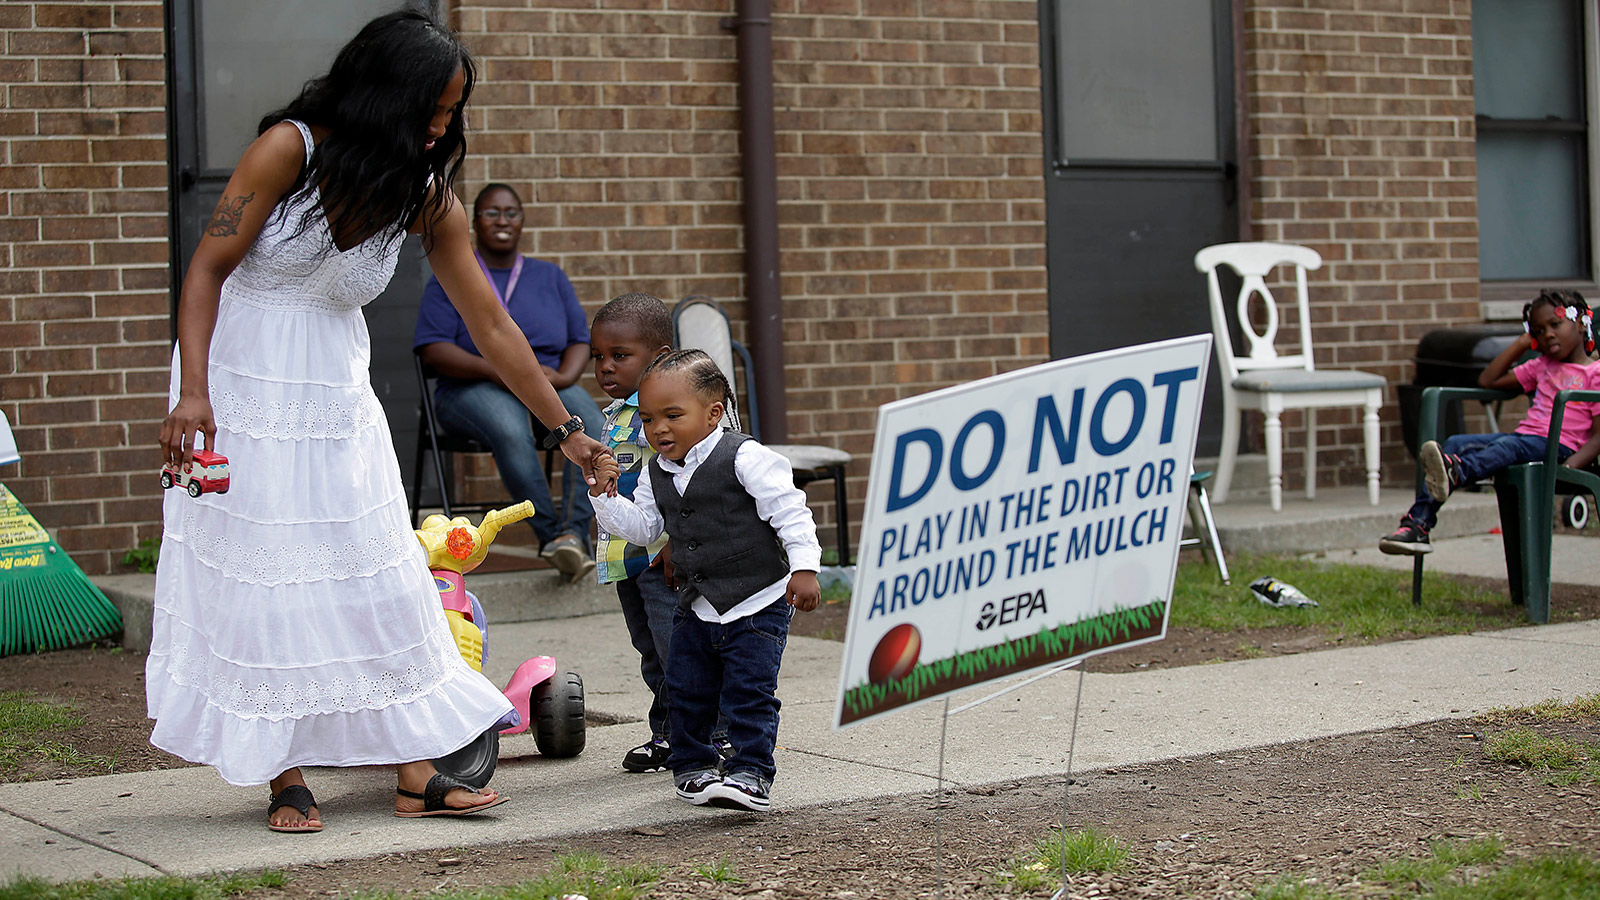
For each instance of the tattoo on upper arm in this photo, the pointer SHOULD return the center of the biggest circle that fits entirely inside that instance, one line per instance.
(225, 221)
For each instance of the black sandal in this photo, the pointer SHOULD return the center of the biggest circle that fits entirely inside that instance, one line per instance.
(299, 797)
(433, 796)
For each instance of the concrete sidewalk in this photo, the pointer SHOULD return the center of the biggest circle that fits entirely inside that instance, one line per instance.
(189, 821)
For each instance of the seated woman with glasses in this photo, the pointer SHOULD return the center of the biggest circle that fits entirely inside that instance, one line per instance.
(473, 403)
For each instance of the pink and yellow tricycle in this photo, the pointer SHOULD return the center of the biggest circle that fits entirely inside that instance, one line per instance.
(546, 701)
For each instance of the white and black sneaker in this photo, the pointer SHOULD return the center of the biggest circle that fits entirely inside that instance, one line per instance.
(697, 789)
(723, 747)
(740, 790)
(650, 756)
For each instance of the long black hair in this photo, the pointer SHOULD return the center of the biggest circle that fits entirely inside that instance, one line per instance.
(376, 102)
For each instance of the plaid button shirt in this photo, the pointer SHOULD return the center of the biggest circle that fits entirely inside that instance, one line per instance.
(616, 559)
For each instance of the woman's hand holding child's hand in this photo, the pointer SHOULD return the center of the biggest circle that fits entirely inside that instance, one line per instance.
(803, 592)
(588, 453)
(606, 471)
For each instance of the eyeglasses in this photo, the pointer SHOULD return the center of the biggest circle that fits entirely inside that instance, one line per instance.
(497, 215)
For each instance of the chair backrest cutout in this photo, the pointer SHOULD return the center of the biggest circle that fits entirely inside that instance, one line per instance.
(1253, 261)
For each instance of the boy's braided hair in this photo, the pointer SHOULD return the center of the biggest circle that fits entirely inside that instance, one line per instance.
(705, 379)
(1572, 305)
(645, 312)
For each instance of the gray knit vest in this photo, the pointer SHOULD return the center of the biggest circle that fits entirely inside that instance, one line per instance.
(721, 549)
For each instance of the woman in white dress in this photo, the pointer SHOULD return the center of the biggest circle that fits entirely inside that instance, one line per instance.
(296, 622)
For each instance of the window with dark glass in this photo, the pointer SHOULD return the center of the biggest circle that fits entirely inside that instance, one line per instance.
(1533, 140)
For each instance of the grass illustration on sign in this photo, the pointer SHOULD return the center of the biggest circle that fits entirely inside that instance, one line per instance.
(1114, 628)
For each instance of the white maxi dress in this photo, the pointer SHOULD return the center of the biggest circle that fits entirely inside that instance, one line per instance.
(295, 619)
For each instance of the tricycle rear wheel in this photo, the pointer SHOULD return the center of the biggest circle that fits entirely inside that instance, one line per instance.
(557, 705)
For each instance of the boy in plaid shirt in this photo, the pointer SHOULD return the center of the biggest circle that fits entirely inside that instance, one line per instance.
(627, 334)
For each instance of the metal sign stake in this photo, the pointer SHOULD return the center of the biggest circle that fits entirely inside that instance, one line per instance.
(1072, 745)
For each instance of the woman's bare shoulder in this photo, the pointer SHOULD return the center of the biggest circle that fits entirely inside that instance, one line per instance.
(450, 215)
(277, 155)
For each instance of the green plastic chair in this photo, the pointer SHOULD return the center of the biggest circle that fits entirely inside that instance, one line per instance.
(1526, 494)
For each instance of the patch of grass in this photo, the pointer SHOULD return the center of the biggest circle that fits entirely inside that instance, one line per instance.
(23, 714)
(1471, 791)
(1288, 888)
(720, 872)
(1532, 750)
(1247, 650)
(588, 874)
(164, 888)
(1563, 875)
(1470, 870)
(1444, 860)
(1570, 761)
(1357, 602)
(1085, 850)
(1361, 602)
(1586, 706)
(25, 719)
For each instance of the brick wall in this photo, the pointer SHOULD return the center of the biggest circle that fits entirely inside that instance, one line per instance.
(909, 176)
(83, 267)
(1362, 140)
(910, 181)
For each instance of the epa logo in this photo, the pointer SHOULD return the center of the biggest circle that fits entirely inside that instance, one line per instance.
(1010, 609)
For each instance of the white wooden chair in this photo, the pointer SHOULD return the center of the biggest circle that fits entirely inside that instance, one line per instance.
(1264, 380)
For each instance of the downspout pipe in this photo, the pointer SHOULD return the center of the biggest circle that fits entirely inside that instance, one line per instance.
(757, 133)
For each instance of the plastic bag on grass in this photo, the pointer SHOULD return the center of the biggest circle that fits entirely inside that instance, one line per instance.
(1273, 592)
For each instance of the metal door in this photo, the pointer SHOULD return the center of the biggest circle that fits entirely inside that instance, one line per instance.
(231, 62)
(1141, 169)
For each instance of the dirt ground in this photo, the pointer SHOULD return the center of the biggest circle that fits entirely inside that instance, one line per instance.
(1212, 826)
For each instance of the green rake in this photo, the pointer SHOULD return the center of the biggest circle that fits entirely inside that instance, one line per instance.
(46, 602)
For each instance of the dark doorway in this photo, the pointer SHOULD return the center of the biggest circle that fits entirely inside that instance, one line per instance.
(229, 63)
(1141, 170)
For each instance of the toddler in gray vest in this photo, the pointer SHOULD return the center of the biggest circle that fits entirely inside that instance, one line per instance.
(745, 554)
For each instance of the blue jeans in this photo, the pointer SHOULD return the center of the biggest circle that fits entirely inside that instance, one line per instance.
(1482, 455)
(648, 608)
(493, 416)
(734, 666)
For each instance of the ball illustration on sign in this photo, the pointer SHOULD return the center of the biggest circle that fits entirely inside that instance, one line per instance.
(896, 654)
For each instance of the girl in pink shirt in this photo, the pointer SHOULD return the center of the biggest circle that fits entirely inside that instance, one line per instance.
(1559, 326)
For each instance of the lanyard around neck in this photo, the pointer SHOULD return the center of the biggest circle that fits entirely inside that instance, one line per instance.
(511, 283)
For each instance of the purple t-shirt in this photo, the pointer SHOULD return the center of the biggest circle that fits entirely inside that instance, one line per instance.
(1546, 377)
(544, 306)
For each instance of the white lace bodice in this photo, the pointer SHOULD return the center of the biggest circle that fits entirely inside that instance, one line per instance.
(285, 270)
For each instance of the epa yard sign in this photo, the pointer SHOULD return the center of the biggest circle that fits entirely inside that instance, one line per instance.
(1021, 521)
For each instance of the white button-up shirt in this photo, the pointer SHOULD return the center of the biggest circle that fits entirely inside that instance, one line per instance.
(766, 477)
